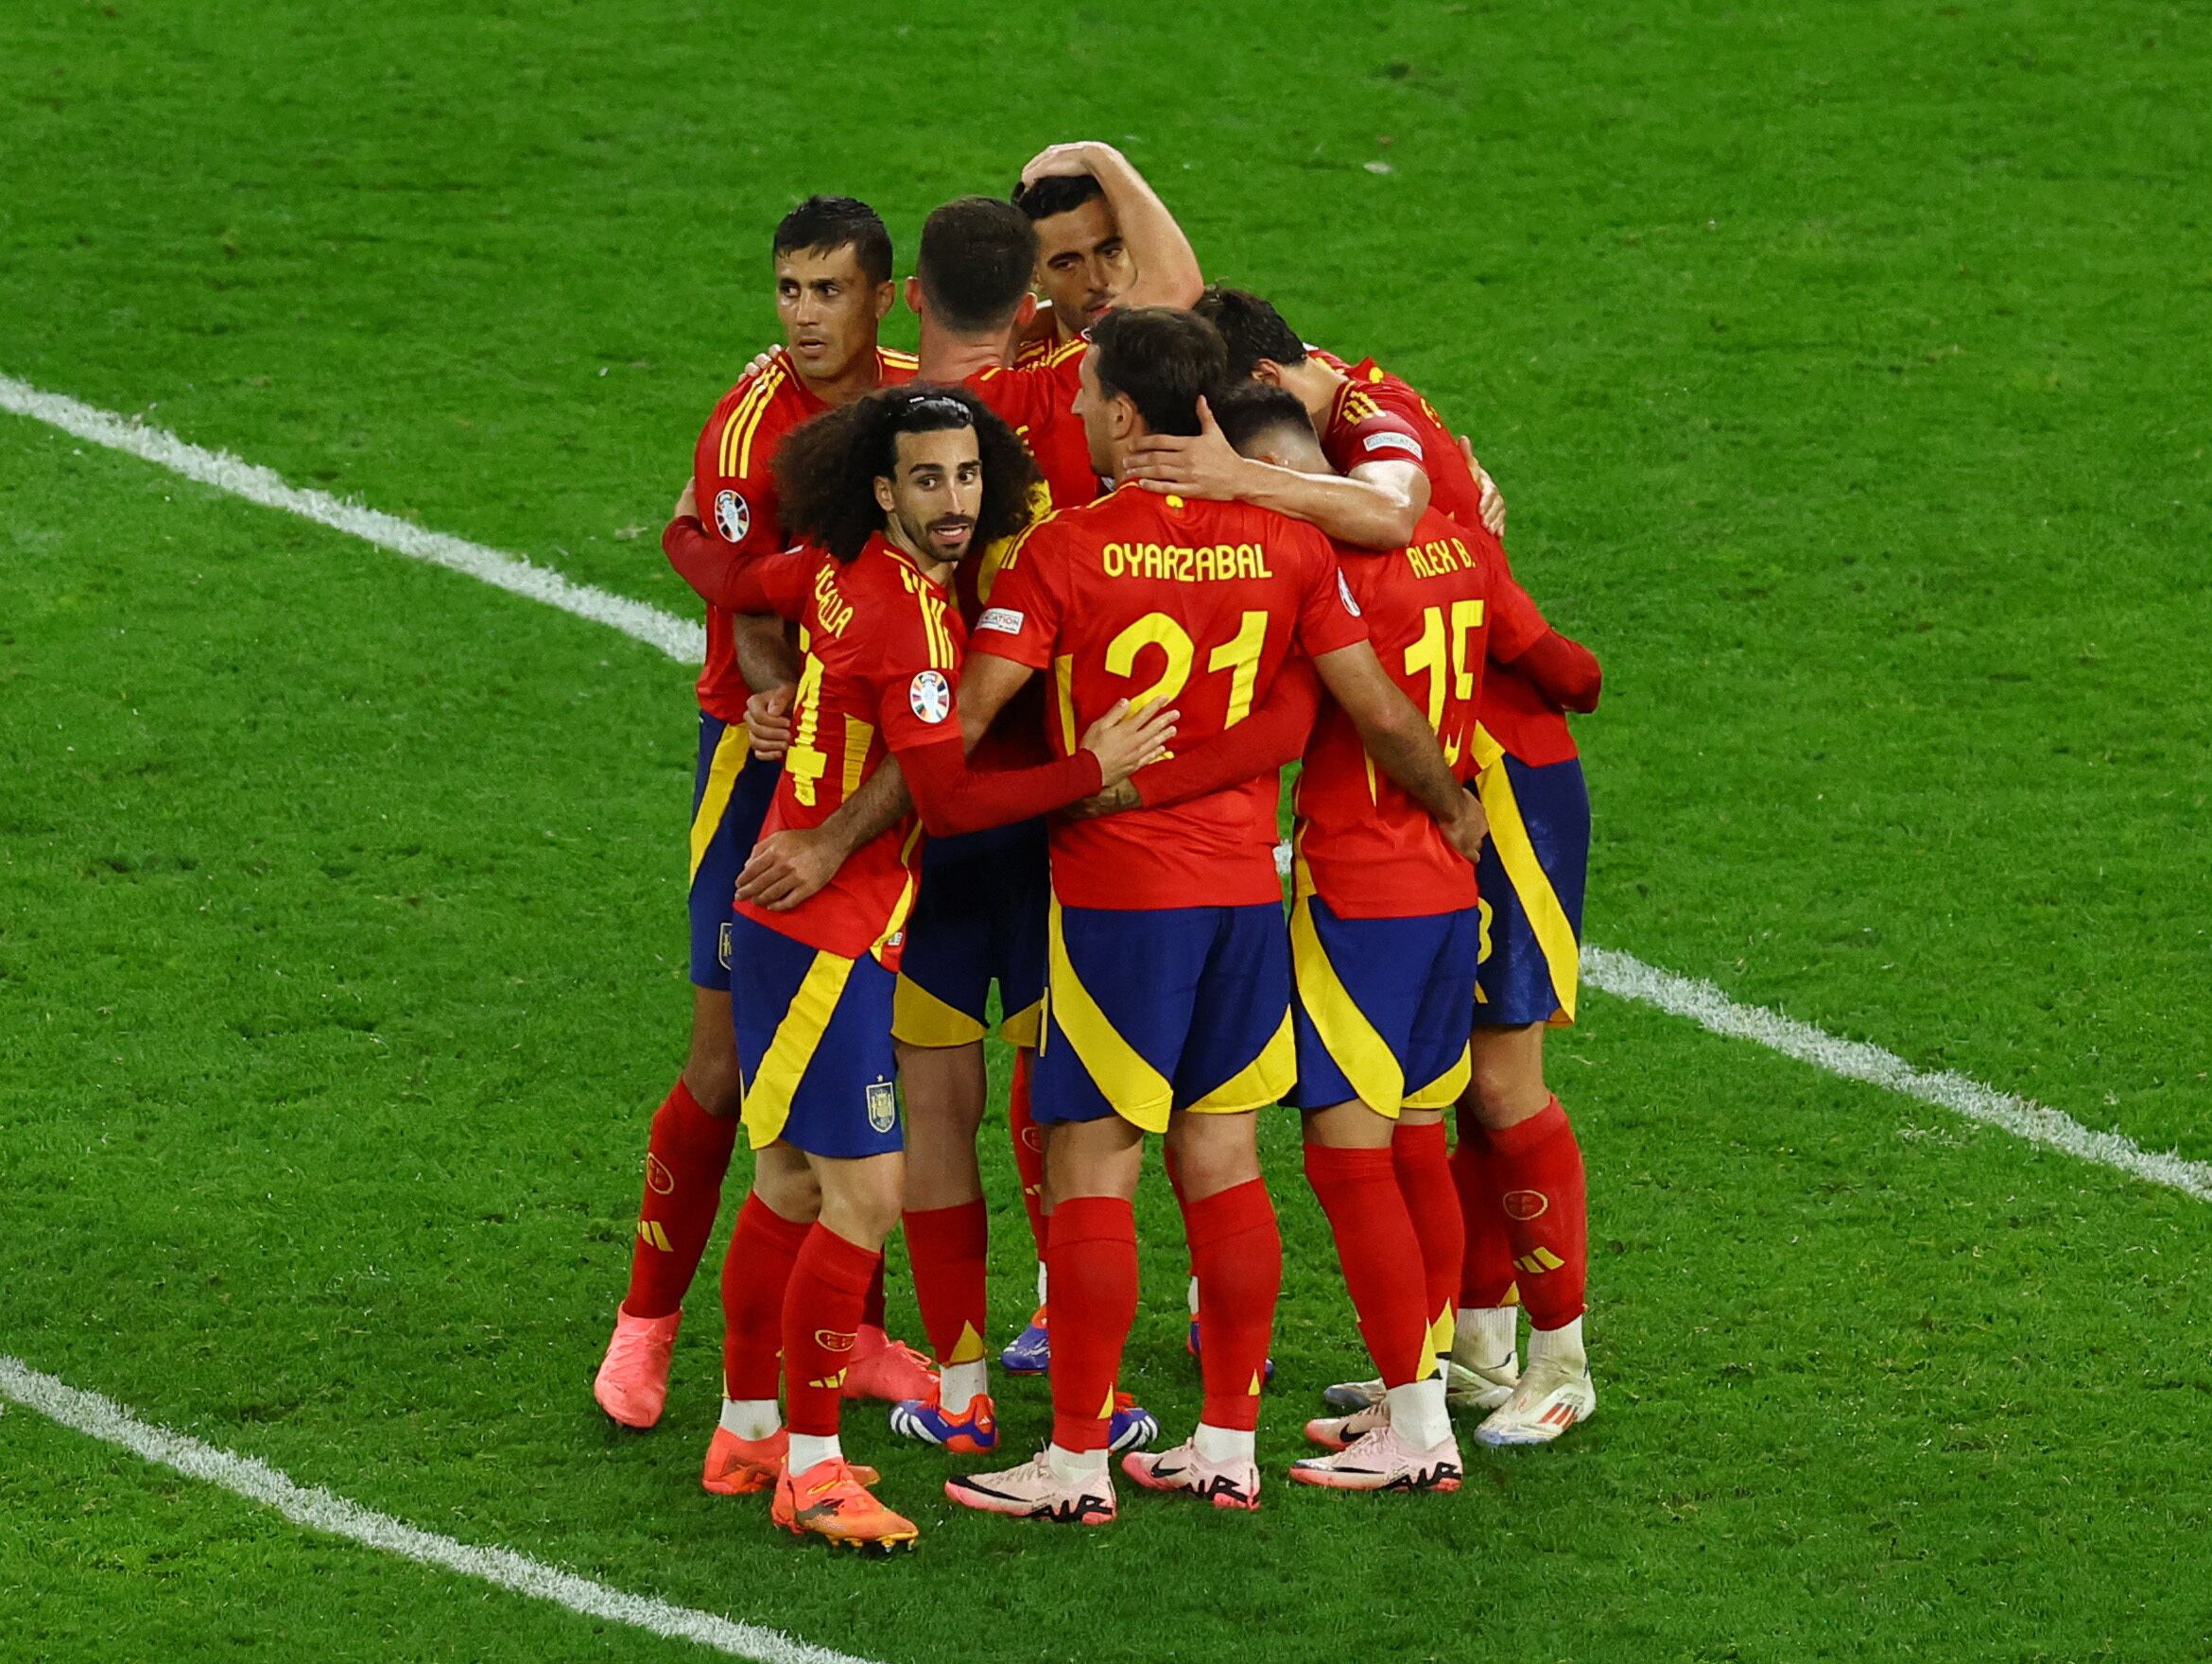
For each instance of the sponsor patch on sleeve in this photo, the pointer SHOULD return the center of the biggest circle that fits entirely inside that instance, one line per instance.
(732, 518)
(1004, 619)
(1392, 442)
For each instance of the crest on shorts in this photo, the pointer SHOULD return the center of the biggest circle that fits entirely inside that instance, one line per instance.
(732, 519)
(722, 945)
(882, 1105)
(930, 695)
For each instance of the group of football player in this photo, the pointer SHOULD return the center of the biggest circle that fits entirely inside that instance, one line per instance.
(1008, 642)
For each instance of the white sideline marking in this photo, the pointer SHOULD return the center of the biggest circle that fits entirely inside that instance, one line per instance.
(677, 638)
(1618, 974)
(310, 1506)
(1629, 978)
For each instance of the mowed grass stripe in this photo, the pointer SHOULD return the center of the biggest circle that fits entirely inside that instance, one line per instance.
(319, 1510)
(1619, 974)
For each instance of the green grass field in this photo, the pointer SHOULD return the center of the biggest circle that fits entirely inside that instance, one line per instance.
(1844, 366)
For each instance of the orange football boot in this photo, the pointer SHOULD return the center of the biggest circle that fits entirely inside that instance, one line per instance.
(831, 1501)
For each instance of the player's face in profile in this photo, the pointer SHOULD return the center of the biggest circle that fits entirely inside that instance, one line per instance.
(1099, 416)
(936, 491)
(1082, 267)
(828, 309)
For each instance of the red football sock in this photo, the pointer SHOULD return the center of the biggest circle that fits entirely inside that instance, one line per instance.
(872, 1308)
(1237, 1253)
(755, 1273)
(1091, 1262)
(685, 1159)
(1547, 1213)
(1424, 1165)
(948, 1249)
(1486, 1267)
(1028, 1147)
(1381, 1257)
(821, 1320)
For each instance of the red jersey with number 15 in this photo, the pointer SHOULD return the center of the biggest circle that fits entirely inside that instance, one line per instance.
(882, 652)
(1435, 610)
(1372, 409)
(1144, 597)
(736, 494)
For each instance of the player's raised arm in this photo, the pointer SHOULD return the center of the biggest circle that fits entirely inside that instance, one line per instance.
(1273, 735)
(1167, 271)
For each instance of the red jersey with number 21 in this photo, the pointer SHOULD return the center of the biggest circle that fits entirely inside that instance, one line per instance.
(1197, 604)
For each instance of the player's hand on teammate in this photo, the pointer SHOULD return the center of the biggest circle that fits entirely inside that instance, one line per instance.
(1469, 828)
(787, 867)
(767, 723)
(1493, 504)
(1124, 740)
(1204, 465)
(1112, 801)
(687, 503)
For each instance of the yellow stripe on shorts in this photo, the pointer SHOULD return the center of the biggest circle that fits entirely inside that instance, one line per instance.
(1377, 1075)
(1260, 1082)
(1442, 1092)
(920, 1019)
(1024, 1027)
(731, 754)
(1139, 1093)
(767, 1095)
(1517, 853)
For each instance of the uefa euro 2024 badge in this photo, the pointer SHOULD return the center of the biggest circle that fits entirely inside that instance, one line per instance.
(930, 695)
(882, 1105)
(732, 519)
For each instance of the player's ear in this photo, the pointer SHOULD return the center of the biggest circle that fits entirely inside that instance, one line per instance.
(886, 296)
(1268, 370)
(883, 499)
(1025, 314)
(914, 295)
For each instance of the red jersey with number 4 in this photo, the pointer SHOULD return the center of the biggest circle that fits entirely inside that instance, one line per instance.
(736, 494)
(1435, 610)
(1144, 597)
(881, 645)
(1373, 411)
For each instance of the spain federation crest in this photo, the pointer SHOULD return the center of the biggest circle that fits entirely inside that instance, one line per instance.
(882, 1105)
(732, 519)
(930, 695)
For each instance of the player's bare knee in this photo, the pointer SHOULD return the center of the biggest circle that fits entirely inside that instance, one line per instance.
(1506, 1084)
(1214, 1152)
(710, 1068)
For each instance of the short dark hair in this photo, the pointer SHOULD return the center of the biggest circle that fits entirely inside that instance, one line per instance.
(823, 225)
(826, 470)
(1056, 193)
(977, 257)
(1160, 360)
(1248, 411)
(1252, 327)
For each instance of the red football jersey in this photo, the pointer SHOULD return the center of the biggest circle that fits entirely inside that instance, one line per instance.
(1435, 610)
(1145, 597)
(1372, 409)
(1038, 403)
(882, 652)
(736, 494)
